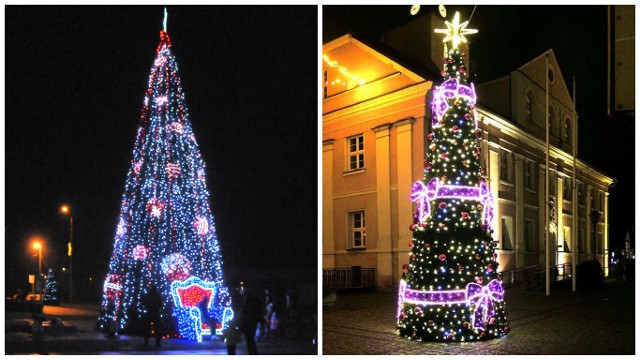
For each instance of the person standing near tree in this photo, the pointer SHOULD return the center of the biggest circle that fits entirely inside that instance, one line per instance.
(153, 304)
(205, 317)
(250, 316)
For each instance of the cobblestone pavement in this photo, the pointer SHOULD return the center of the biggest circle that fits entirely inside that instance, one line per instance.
(599, 322)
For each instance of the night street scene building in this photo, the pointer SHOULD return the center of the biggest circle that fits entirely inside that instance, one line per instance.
(153, 242)
(377, 88)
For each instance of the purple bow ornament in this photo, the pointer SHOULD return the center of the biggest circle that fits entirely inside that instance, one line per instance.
(421, 194)
(481, 301)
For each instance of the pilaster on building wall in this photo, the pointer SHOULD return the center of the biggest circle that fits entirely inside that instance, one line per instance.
(404, 154)
(385, 246)
(328, 253)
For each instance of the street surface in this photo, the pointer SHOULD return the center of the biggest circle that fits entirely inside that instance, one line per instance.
(78, 336)
(599, 322)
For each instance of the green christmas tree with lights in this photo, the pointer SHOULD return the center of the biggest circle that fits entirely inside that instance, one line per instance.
(51, 289)
(451, 290)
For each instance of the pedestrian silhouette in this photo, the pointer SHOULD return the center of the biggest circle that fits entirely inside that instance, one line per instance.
(205, 317)
(250, 316)
(152, 325)
(112, 325)
(231, 336)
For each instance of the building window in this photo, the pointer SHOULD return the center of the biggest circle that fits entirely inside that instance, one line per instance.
(552, 122)
(357, 230)
(483, 157)
(552, 184)
(507, 230)
(582, 243)
(356, 152)
(581, 194)
(528, 107)
(530, 174)
(596, 202)
(567, 135)
(566, 236)
(325, 84)
(551, 75)
(567, 193)
(505, 166)
(530, 235)
(599, 244)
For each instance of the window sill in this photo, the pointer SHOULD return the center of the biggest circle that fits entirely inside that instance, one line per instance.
(506, 183)
(353, 172)
(533, 191)
(357, 249)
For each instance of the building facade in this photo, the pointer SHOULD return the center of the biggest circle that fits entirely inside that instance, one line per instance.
(374, 147)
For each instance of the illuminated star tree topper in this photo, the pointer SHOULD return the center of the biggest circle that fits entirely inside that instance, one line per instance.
(456, 31)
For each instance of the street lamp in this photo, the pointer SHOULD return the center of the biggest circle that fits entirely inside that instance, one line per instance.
(66, 210)
(595, 216)
(37, 245)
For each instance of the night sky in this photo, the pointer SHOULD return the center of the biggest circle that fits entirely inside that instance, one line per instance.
(75, 83)
(510, 36)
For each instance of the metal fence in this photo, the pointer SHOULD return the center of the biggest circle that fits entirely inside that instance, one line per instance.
(533, 277)
(351, 278)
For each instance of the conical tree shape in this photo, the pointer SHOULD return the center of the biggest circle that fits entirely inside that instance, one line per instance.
(450, 289)
(51, 289)
(166, 237)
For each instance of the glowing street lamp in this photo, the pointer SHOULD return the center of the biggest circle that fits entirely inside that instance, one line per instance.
(38, 245)
(66, 210)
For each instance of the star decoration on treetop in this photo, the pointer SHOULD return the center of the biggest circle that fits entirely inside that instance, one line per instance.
(456, 31)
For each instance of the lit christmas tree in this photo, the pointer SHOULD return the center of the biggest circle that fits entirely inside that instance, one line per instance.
(51, 289)
(450, 289)
(166, 235)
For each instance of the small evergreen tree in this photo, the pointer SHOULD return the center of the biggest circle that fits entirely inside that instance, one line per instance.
(51, 289)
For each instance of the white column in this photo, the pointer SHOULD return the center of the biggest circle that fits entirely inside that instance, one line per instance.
(383, 205)
(520, 247)
(328, 247)
(494, 183)
(605, 234)
(559, 220)
(404, 161)
(590, 252)
(542, 222)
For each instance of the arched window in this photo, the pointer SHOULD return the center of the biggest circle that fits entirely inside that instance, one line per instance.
(567, 135)
(528, 106)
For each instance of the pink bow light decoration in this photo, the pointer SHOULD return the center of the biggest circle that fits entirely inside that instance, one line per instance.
(422, 194)
(481, 300)
(448, 90)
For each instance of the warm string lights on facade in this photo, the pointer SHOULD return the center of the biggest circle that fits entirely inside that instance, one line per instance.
(166, 235)
(450, 289)
(349, 81)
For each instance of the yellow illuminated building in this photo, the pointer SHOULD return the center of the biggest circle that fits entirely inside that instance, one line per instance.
(373, 150)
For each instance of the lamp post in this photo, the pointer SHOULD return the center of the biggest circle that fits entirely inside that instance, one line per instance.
(595, 216)
(38, 246)
(66, 210)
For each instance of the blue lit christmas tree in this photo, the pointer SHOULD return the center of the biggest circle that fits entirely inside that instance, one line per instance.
(451, 290)
(166, 237)
(51, 289)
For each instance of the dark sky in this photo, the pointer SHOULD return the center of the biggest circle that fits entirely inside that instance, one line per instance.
(510, 36)
(75, 83)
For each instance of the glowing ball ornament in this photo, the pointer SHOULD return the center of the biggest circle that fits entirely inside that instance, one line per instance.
(176, 267)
